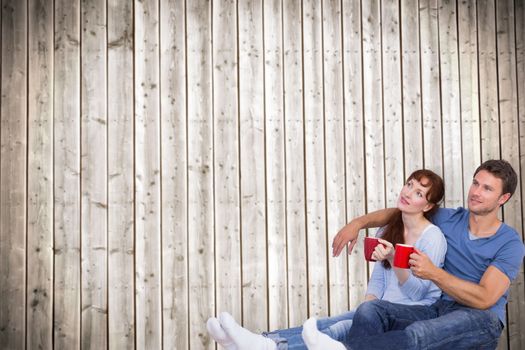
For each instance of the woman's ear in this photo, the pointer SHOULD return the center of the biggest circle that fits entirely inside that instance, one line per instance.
(428, 207)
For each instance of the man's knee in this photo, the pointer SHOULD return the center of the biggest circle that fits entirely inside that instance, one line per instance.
(373, 310)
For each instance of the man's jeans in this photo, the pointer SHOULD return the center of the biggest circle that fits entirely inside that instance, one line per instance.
(336, 327)
(443, 325)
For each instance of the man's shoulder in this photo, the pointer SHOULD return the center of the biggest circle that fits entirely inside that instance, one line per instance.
(510, 234)
(449, 215)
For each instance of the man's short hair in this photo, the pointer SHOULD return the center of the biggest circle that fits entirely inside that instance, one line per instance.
(502, 170)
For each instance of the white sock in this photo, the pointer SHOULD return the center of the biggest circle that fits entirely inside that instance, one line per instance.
(243, 338)
(218, 334)
(315, 340)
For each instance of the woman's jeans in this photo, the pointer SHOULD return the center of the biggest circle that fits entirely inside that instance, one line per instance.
(443, 325)
(336, 327)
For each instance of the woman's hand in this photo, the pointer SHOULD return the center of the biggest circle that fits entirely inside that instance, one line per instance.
(384, 251)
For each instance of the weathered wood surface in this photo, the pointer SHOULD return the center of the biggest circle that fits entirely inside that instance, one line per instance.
(166, 160)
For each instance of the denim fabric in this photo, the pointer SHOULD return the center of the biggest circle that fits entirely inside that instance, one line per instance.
(443, 325)
(336, 327)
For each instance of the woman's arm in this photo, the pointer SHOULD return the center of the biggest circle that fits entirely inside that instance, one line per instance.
(377, 283)
(434, 245)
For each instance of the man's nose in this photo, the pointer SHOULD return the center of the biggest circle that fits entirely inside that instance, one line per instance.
(476, 190)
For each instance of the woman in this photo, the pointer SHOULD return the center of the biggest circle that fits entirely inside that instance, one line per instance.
(418, 200)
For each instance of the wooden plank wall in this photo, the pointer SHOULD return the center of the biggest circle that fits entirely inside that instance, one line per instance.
(166, 160)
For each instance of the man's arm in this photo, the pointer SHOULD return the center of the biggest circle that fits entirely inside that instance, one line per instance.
(482, 295)
(349, 233)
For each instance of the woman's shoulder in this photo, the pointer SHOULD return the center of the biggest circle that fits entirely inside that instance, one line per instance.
(432, 233)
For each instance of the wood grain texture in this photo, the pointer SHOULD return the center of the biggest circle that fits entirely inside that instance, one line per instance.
(334, 150)
(430, 72)
(355, 198)
(314, 150)
(275, 160)
(40, 183)
(201, 230)
(412, 100)
(121, 223)
(175, 297)
(226, 158)
(148, 267)
(294, 161)
(67, 268)
(13, 180)
(450, 101)
(94, 174)
(166, 160)
(253, 166)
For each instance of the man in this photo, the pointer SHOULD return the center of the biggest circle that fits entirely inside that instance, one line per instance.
(484, 255)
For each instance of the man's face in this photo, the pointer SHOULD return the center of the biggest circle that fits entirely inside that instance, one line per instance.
(485, 194)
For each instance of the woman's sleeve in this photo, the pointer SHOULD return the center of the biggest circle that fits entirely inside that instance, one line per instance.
(377, 282)
(433, 244)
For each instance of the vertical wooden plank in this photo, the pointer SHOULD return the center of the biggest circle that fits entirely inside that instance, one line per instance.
(201, 238)
(373, 107)
(335, 151)
(372, 102)
(40, 180)
(174, 180)
(294, 156)
(147, 177)
(13, 141)
(275, 165)
(450, 101)
(412, 119)
(468, 63)
(253, 165)
(392, 100)
(226, 158)
(121, 301)
(314, 158)
(354, 141)
(429, 53)
(519, 25)
(67, 175)
(509, 140)
(94, 175)
(488, 81)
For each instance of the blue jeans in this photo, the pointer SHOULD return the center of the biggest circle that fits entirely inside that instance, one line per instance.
(442, 325)
(337, 327)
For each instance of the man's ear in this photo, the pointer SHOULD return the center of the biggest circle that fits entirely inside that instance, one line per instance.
(503, 198)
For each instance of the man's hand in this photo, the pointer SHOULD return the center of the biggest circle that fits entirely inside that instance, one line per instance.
(421, 265)
(346, 236)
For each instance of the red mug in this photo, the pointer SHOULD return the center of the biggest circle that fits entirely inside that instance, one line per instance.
(402, 255)
(370, 245)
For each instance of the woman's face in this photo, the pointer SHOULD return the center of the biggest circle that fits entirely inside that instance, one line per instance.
(413, 197)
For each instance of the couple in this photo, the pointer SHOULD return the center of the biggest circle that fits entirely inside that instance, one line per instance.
(483, 256)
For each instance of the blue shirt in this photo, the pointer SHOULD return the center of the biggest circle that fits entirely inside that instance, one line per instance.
(469, 259)
(384, 284)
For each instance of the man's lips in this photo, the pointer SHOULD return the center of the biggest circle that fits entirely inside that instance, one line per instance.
(474, 200)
